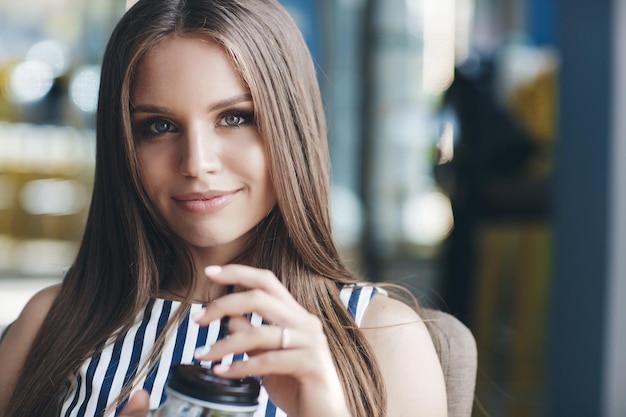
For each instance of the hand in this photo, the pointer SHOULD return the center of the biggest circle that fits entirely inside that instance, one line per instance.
(300, 377)
(137, 406)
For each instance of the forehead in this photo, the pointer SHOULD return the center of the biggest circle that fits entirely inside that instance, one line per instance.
(186, 65)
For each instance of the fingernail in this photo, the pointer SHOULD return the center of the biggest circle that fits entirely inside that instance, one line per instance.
(221, 368)
(197, 315)
(201, 351)
(213, 270)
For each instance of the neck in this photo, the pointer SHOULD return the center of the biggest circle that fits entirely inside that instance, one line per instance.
(203, 291)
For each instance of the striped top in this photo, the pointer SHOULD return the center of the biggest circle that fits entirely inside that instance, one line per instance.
(101, 378)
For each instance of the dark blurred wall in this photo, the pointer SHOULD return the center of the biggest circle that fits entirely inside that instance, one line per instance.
(578, 328)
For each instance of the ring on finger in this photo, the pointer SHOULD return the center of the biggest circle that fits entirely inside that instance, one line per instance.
(285, 338)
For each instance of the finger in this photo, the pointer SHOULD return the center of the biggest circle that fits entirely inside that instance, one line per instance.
(235, 324)
(294, 363)
(249, 277)
(239, 324)
(252, 301)
(256, 340)
(138, 405)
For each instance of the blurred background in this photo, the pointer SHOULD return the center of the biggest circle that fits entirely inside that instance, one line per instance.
(477, 149)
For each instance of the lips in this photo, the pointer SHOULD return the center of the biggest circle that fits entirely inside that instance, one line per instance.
(206, 202)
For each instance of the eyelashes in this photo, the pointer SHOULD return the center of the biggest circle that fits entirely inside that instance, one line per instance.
(236, 118)
(157, 126)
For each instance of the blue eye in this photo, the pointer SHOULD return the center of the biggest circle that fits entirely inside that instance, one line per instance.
(157, 126)
(236, 119)
(233, 120)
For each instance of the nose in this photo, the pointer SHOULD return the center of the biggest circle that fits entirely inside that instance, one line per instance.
(199, 153)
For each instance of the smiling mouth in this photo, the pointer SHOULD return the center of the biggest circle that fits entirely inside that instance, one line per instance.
(205, 203)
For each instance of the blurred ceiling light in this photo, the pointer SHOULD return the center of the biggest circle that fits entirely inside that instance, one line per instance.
(53, 197)
(84, 87)
(439, 44)
(30, 81)
(427, 218)
(53, 52)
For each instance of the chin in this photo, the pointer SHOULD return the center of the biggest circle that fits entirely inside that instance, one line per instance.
(222, 244)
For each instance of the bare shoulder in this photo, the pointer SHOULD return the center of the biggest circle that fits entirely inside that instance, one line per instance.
(387, 311)
(407, 358)
(389, 323)
(36, 309)
(19, 337)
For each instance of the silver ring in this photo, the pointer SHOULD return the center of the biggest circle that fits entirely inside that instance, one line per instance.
(285, 338)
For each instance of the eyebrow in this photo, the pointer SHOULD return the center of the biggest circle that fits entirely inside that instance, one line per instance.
(149, 108)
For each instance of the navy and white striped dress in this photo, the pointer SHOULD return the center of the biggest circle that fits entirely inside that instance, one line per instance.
(102, 377)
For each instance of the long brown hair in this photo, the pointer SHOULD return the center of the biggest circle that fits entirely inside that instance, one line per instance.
(128, 252)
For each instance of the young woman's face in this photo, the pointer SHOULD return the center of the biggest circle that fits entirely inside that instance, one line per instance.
(201, 157)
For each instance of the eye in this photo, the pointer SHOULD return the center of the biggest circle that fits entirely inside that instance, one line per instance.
(158, 126)
(236, 119)
(233, 120)
(155, 127)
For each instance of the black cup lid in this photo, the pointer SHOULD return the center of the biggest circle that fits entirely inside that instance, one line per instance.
(201, 383)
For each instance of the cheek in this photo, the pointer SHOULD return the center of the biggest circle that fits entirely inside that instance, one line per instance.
(150, 172)
(153, 161)
(248, 160)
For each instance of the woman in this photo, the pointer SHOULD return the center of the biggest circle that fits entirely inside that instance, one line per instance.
(211, 200)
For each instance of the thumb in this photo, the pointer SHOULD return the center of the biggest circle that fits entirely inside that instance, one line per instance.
(138, 405)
